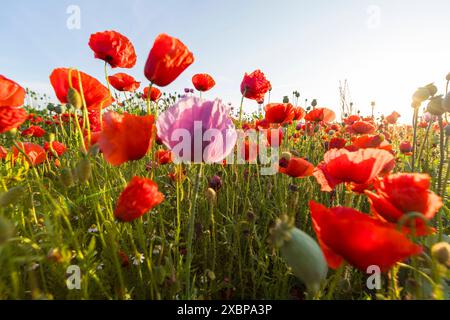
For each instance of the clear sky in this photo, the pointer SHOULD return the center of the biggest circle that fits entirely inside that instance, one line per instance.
(385, 48)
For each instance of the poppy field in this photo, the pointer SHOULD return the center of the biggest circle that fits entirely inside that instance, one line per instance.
(122, 190)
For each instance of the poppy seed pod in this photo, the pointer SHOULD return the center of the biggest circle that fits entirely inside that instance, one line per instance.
(11, 196)
(301, 253)
(74, 98)
(432, 89)
(285, 99)
(421, 95)
(84, 170)
(441, 252)
(314, 103)
(436, 106)
(66, 177)
(6, 230)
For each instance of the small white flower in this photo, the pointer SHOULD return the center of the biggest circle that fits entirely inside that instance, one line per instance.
(93, 229)
(100, 266)
(138, 258)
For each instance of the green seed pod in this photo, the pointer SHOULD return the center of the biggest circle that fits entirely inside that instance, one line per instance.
(301, 253)
(285, 99)
(66, 177)
(60, 109)
(6, 230)
(74, 98)
(11, 196)
(436, 106)
(441, 252)
(83, 170)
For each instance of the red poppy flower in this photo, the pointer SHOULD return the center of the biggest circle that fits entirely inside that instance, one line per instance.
(35, 153)
(164, 157)
(114, 48)
(274, 137)
(347, 234)
(155, 94)
(167, 59)
(123, 82)
(254, 86)
(34, 131)
(203, 82)
(320, 114)
(362, 127)
(403, 193)
(352, 119)
(299, 113)
(57, 147)
(337, 143)
(368, 141)
(95, 123)
(3, 153)
(279, 112)
(393, 117)
(11, 118)
(97, 96)
(297, 168)
(140, 196)
(406, 148)
(125, 137)
(11, 94)
(342, 166)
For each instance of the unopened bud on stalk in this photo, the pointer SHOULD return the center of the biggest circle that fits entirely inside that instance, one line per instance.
(432, 89)
(285, 99)
(286, 155)
(436, 106)
(301, 253)
(421, 95)
(6, 230)
(314, 103)
(215, 183)
(441, 252)
(66, 177)
(60, 109)
(74, 98)
(84, 170)
(448, 77)
(11, 196)
(211, 195)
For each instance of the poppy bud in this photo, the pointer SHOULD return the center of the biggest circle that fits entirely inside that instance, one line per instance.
(421, 95)
(314, 103)
(11, 196)
(441, 252)
(51, 107)
(285, 99)
(286, 155)
(60, 109)
(301, 253)
(84, 170)
(215, 183)
(66, 177)
(211, 195)
(74, 98)
(432, 89)
(436, 106)
(447, 77)
(6, 230)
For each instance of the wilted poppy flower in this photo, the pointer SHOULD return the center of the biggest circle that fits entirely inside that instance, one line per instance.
(33, 131)
(203, 82)
(347, 234)
(11, 94)
(406, 148)
(57, 147)
(399, 194)
(155, 94)
(320, 114)
(123, 82)
(361, 127)
(342, 166)
(140, 196)
(164, 156)
(114, 48)
(297, 168)
(197, 130)
(254, 86)
(279, 113)
(167, 59)
(97, 96)
(392, 118)
(36, 154)
(11, 118)
(125, 137)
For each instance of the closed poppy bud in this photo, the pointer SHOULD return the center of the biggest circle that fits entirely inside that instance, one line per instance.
(59, 109)
(406, 148)
(432, 89)
(11, 196)
(286, 155)
(421, 95)
(83, 170)
(66, 177)
(74, 98)
(285, 99)
(211, 195)
(215, 183)
(314, 103)
(301, 253)
(447, 77)
(441, 252)
(6, 230)
(436, 106)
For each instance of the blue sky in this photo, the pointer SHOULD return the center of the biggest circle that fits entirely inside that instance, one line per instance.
(385, 48)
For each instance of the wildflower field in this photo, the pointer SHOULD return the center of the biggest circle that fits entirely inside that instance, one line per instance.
(125, 191)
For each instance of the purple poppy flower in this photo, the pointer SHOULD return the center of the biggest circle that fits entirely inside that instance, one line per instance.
(197, 130)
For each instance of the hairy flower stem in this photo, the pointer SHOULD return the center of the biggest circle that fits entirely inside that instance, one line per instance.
(424, 142)
(413, 157)
(442, 155)
(191, 231)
